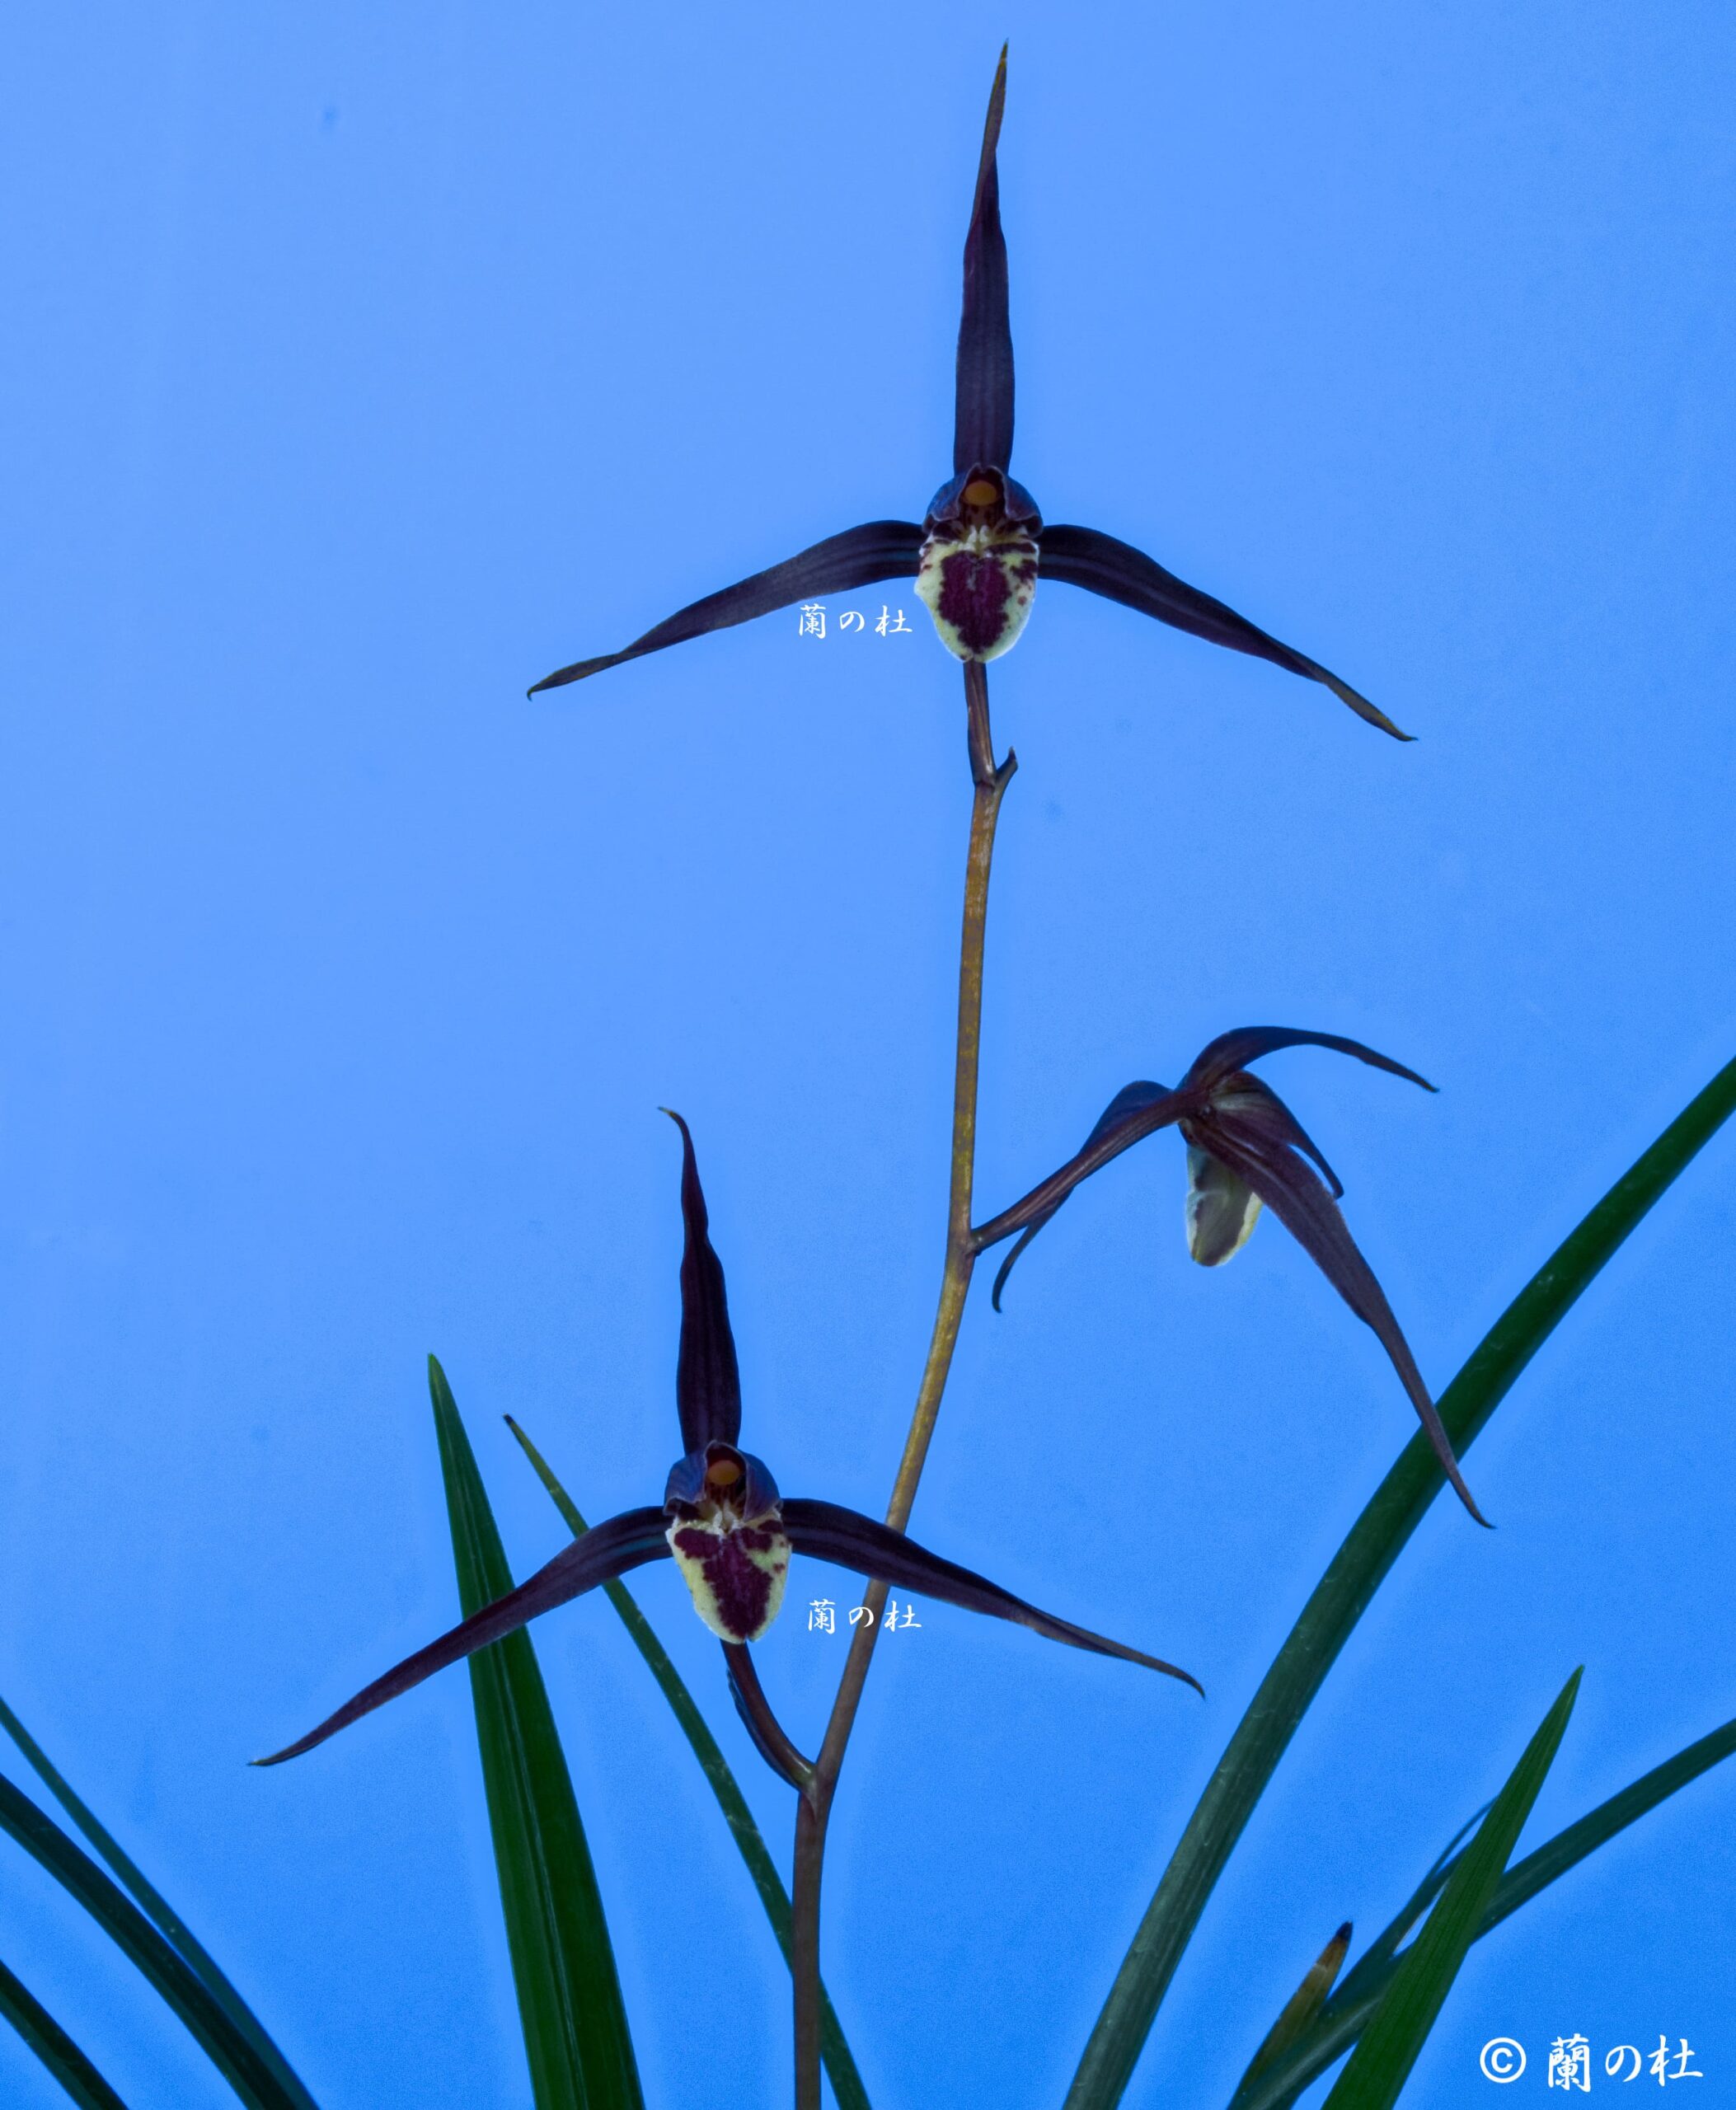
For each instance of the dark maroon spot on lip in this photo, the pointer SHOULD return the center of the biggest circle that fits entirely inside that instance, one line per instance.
(741, 1591)
(974, 592)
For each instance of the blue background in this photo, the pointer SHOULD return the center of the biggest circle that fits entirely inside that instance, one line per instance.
(360, 368)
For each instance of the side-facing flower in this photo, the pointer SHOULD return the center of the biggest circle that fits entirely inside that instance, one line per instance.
(726, 1526)
(976, 557)
(1244, 1148)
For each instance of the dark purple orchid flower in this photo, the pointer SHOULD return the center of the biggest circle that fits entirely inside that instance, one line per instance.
(976, 557)
(727, 1528)
(1244, 1148)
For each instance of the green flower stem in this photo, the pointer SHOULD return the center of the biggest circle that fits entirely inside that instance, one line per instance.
(814, 1808)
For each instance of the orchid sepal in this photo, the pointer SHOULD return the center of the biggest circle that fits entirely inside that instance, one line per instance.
(608, 1551)
(860, 556)
(825, 1531)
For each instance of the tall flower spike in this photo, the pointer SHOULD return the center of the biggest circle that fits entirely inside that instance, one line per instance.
(727, 1528)
(1246, 1148)
(976, 557)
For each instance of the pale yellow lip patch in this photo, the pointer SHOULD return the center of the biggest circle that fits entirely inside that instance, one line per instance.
(1003, 565)
(1221, 1209)
(735, 1572)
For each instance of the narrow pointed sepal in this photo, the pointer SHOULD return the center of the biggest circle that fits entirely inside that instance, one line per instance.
(771, 1739)
(1082, 556)
(1136, 1111)
(1289, 1188)
(982, 429)
(707, 1381)
(825, 1532)
(882, 549)
(1232, 1051)
(611, 1550)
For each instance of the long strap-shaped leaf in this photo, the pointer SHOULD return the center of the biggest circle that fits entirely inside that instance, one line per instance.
(1348, 2012)
(51, 2044)
(846, 2082)
(157, 1908)
(1343, 1595)
(576, 2026)
(1400, 2026)
(138, 1941)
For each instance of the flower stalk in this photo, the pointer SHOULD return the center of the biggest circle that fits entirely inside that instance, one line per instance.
(814, 1810)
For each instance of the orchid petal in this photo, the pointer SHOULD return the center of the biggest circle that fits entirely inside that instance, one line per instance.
(1244, 1044)
(611, 1550)
(825, 1532)
(1257, 1109)
(1137, 1110)
(882, 549)
(1309, 1213)
(1082, 556)
(707, 1382)
(982, 429)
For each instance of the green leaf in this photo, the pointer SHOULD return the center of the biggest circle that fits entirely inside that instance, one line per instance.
(576, 2026)
(158, 1909)
(52, 2044)
(1343, 1594)
(1348, 2011)
(1400, 2026)
(1303, 2005)
(226, 2046)
(1380, 1951)
(846, 2082)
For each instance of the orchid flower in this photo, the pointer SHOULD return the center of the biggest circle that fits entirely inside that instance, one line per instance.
(726, 1527)
(976, 555)
(1246, 1148)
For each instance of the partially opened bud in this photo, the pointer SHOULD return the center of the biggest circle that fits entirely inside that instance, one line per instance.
(1221, 1209)
(1244, 1148)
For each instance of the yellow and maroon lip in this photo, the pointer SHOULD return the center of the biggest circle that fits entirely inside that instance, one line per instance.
(728, 1539)
(735, 1572)
(977, 574)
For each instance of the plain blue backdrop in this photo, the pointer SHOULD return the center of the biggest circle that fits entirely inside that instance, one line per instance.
(361, 366)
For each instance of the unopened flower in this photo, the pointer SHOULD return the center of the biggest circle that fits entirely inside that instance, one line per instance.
(978, 553)
(1246, 1148)
(722, 1522)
